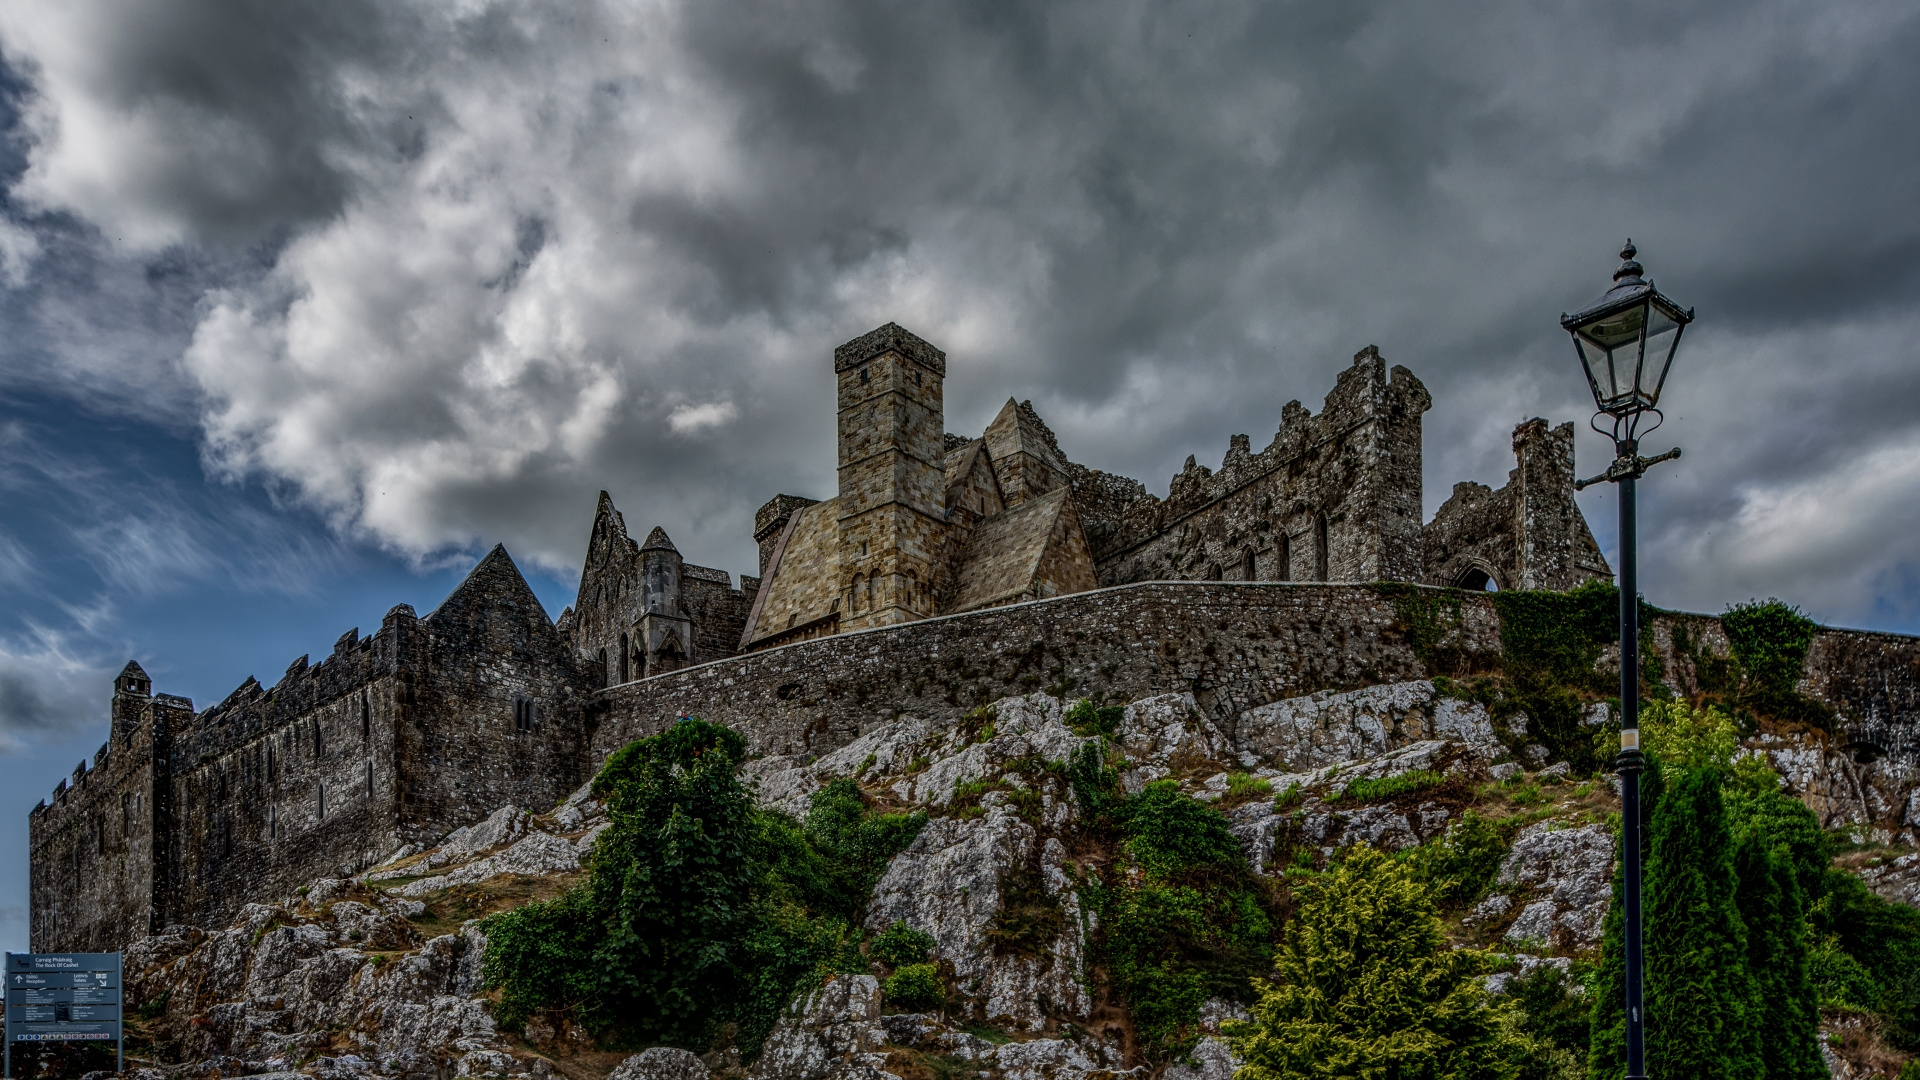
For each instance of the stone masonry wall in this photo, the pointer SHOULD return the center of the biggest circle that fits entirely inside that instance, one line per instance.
(1335, 497)
(1232, 645)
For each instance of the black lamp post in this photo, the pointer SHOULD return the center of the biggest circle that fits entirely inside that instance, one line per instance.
(1626, 343)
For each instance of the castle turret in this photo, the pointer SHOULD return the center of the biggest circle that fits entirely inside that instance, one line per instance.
(892, 500)
(665, 631)
(132, 691)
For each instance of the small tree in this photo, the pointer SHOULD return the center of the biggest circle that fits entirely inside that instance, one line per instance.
(1368, 988)
(1787, 1017)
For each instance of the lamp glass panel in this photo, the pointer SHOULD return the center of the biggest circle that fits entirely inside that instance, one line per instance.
(1611, 346)
(1662, 334)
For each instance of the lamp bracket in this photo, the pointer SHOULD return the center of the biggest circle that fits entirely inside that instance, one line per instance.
(1628, 466)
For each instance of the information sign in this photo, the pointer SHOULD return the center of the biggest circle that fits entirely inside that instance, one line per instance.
(63, 997)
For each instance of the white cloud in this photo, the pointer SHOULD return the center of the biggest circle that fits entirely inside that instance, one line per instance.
(690, 419)
(501, 254)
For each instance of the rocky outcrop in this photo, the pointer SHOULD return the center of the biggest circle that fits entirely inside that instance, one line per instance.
(341, 982)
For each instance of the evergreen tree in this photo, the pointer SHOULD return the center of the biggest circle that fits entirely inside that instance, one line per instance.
(1369, 989)
(1787, 1019)
(1701, 1003)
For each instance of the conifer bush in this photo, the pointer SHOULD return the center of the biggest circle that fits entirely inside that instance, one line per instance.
(700, 908)
(1367, 987)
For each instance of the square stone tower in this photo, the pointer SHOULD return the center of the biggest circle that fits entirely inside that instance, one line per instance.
(892, 511)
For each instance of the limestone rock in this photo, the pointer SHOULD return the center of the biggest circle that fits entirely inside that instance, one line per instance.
(947, 884)
(1571, 870)
(661, 1063)
(1898, 881)
(831, 1034)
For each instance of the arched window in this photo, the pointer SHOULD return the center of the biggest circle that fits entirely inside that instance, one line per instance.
(913, 591)
(1248, 571)
(1282, 558)
(623, 658)
(860, 595)
(870, 591)
(1320, 553)
(1478, 580)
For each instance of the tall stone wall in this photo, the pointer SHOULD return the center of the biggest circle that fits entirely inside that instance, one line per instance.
(1530, 534)
(1231, 645)
(1334, 497)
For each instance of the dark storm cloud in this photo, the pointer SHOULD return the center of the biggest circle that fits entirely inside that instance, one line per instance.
(506, 254)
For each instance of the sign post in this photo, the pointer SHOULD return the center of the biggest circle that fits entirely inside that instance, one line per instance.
(64, 997)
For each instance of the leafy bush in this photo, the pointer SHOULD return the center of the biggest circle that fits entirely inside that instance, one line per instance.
(900, 944)
(1458, 867)
(1096, 785)
(1290, 797)
(1365, 790)
(915, 987)
(1084, 718)
(1190, 926)
(1553, 1012)
(1368, 987)
(699, 908)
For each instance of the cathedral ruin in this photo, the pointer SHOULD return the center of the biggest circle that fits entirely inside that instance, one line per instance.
(430, 723)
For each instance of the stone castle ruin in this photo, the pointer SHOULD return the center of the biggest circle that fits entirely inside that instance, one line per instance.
(944, 572)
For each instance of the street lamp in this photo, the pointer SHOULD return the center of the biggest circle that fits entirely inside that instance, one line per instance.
(1626, 343)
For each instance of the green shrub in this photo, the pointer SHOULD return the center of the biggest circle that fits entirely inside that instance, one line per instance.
(1457, 868)
(915, 988)
(1552, 1011)
(1367, 987)
(1290, 797)
(1189, 927)
(1365, 790)
(700, 908)
(1084, 718)
(900, 944)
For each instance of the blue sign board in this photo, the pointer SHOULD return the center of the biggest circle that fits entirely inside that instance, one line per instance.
(62, 997)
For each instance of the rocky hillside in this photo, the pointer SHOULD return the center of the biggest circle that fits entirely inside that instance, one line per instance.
(382, 975)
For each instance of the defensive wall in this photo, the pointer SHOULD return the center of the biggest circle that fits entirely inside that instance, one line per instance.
(1233, 645)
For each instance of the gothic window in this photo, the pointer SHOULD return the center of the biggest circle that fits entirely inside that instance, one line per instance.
(322, 802)
(1320, 559)
(318, 744)
(1213, 572)
(1282, 558)
(1248, 572)
(603, 666)
(270, 763)
(863, 376)
(522, 716)
(126, 815)
(1478, 580)
(862, 597)
(623, 657)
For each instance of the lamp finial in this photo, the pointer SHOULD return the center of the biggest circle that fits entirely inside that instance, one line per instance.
(1628, 268)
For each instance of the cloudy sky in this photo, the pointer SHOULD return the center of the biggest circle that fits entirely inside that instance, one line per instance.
(304, 305)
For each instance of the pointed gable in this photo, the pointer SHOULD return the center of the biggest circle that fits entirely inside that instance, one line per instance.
(493, 600)
(657, 541)
(1025, 455)
(972, 484)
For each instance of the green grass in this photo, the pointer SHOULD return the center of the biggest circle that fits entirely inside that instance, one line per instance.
(1364, 790)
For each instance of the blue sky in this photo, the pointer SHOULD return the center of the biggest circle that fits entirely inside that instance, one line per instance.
(304, 306)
